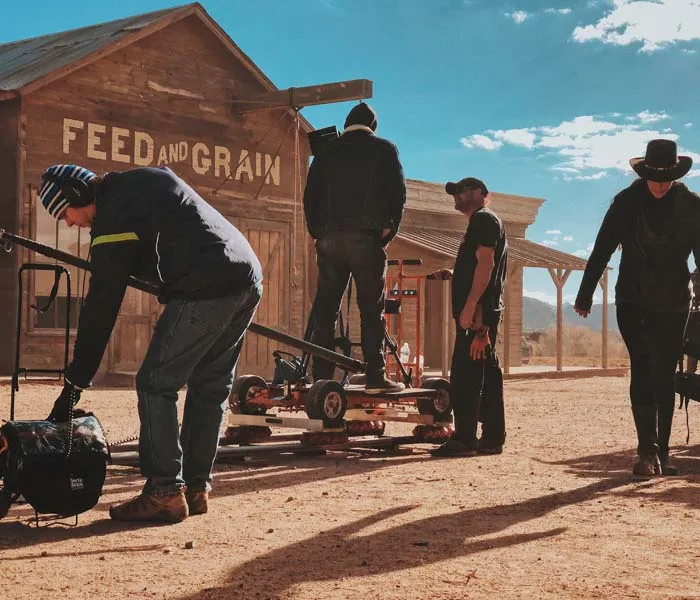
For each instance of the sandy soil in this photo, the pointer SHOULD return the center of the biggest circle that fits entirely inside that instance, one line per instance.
(556, 516)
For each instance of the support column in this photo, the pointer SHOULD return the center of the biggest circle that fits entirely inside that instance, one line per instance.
(604, 332)
(506, 326)
(559, 277)
(446, 318)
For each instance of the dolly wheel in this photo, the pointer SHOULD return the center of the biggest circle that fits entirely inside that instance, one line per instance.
(326, 400)
(244, 390)
(439, 405)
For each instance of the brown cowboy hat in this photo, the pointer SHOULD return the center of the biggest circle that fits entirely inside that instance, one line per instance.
(661, 162)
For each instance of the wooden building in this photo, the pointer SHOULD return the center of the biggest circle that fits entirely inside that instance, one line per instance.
(171, 88)
(164, 88)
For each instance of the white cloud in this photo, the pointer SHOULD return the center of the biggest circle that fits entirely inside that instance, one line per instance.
(518, 16)
(558, 11)
(651, 23)
(568, 238)
(688, 125)
(549, 243)
(591, 177)
(649, 117)
(587, 147)
(516, 137)
(585, 252)
(480, 141)
(553, 232)
(694, 173)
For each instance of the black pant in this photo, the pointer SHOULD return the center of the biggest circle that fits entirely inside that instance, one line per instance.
(653, 341)
(340, 255)
(477, 389)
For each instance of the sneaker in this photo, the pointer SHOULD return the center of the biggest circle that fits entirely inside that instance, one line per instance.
(453, 448)
(383, 386)
(197, 502)
(171, 509)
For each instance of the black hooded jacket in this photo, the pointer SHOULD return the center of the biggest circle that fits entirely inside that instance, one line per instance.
(355, 184)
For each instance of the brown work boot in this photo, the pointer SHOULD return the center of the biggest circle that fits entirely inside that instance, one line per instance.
(171, 509)
(647, 466)
(197, 501)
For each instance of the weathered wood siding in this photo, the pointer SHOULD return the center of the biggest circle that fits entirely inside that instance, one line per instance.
(166, 100)
(9, 184)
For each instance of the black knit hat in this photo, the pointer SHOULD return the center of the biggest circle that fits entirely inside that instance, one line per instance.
(362, 114)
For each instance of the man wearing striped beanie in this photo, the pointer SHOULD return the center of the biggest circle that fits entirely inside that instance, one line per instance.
(148, 223)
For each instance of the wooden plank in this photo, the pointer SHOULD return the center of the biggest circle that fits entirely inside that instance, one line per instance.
(110, 48)
(340, 91)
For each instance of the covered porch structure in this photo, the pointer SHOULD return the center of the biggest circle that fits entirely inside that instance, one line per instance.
(522, 253)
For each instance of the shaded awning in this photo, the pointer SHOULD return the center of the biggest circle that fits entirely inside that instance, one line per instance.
(520, 251)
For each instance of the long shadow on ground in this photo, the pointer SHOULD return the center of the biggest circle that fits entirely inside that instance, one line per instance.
(416, 543)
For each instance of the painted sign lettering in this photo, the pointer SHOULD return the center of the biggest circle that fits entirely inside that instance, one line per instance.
(132, 147)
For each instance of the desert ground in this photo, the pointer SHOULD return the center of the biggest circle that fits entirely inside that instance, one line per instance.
(557, 515)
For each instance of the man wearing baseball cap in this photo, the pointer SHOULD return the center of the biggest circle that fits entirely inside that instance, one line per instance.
(149, 223)
(477, 304)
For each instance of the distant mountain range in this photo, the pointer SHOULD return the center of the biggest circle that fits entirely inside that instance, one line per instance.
(538, 315)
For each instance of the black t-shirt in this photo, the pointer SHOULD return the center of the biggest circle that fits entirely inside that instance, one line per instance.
(485, 229)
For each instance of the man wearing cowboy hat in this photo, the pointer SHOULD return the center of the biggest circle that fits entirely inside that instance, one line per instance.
(656, 222)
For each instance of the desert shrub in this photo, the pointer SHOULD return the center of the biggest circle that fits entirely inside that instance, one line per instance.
(579, 342)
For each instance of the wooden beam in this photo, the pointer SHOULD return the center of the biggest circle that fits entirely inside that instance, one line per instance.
(559, 277)
(507, 310)
(326, 93)
(446, 318)
(604, 333)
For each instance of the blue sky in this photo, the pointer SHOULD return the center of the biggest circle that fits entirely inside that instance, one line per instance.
(539, 98)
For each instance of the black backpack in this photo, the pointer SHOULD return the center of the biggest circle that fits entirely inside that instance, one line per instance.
(57, 468)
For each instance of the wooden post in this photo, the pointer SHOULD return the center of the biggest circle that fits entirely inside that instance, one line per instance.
(446, 318)
(604, 347)
(506, 326)
(559, 277)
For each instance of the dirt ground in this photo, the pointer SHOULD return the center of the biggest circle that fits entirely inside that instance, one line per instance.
(556, 516)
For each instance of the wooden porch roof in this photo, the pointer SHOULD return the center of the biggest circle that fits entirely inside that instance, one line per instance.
(520, 251)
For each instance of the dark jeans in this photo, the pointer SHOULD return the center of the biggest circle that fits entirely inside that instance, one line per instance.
(340, 255)
(653, 342)
(477, 389)
(195, 343)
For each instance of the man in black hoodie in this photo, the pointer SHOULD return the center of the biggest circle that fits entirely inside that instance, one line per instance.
(353, 201)
(149, 223)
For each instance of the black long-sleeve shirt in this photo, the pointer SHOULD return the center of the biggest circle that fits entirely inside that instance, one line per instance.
(149, 223)
(656, 237)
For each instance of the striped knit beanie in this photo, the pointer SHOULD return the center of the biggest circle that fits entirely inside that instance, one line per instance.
(51, 194)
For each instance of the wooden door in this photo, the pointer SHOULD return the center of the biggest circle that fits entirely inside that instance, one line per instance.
(271, 242)
(132, 332)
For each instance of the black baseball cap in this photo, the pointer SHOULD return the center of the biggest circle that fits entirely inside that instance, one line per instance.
(453, 188)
